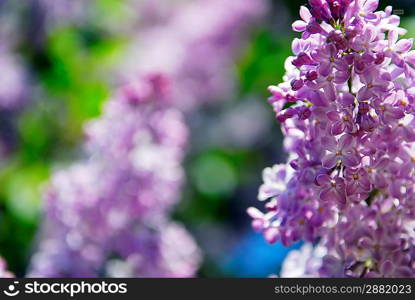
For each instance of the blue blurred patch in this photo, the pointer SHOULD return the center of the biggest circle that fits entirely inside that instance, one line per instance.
(254, 257)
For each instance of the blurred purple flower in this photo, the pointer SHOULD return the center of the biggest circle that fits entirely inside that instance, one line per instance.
(14, 80)
(197, 55)
(116, 204)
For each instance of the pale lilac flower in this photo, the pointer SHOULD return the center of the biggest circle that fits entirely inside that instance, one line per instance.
(275, 181)
(304, 262)
(13, 86)
(306, 18)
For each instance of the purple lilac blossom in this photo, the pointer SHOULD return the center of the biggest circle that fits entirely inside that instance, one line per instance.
(4, 273)
(350, 131)
(115, 205)
(14, 81)
(202, 38)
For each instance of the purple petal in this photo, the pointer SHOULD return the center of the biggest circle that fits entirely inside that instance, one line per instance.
(395, 188)
(396, 113)
(365, 242)
(404, 272)
(380, 181)
(323, 179)
(318, 98)
(330, 91)
(351, 160)
(271, 235)
(398, 60)
(364, 94)
(371, 16)
(305, 14)
(365, 183)
(347, 99)
(341, 77)
(254, 213)
(325, 68)
(404, 45)
(299, 26)
(341, 65)
(340, 196)
(392, 37)
(338, 128)
(410, 57)
(257, 224)
(351, 188)
(382, 163)
(346, 142)
(328, 194)
(409, 134)
(339, 182)
(329, 143)
(333, 116)
(367, 58)
(350, 127)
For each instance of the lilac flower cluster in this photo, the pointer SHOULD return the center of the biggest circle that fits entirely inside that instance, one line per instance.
(347, 113)
(112, 209)
(200, 54)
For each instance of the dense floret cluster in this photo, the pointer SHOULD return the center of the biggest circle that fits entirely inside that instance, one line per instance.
(347, 112)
